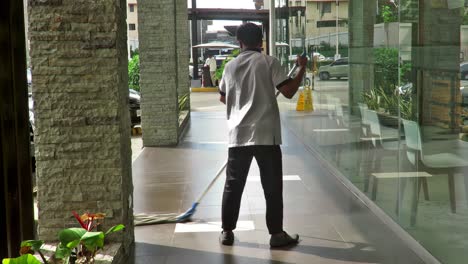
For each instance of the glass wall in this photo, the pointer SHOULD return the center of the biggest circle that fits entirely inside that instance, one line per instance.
(390, 108)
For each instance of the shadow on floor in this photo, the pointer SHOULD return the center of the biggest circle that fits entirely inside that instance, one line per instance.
(354, 252)
(149, 253)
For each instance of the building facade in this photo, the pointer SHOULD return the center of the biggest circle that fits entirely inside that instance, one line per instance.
(132, 23)
(318, 24)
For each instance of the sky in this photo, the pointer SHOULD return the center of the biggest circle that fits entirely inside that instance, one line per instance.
(247, 4)
(231, 4)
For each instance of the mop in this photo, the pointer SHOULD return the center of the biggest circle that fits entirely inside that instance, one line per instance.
(154, 219)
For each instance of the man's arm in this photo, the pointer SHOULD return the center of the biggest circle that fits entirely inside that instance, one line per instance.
(222, 90)
(290, 88)
(222, 95)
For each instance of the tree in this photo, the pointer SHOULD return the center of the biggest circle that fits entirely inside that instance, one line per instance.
(134, 73)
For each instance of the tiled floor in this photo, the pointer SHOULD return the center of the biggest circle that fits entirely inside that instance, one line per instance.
(335, 227)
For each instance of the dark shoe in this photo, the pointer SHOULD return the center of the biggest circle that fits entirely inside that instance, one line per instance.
(283, 239)
(226, 238)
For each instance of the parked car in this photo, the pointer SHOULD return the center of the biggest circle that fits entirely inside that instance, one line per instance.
(134, 104)
(464, 93)
(464, 70)
(337, 69)
(29, 76)
(191, 71)
(190, 68)
(316, 54)
(31, 131)
(220, 59)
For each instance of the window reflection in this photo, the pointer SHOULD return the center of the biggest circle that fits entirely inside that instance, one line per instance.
(394, 118)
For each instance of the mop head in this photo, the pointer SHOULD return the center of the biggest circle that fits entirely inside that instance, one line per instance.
(155, 219)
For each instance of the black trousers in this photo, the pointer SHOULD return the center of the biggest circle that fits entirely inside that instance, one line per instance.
(269, 161)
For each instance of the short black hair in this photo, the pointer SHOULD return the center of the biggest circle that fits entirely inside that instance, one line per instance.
(250, 34)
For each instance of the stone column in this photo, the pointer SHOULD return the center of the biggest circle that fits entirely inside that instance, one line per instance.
(80, 91)
(183, 57)
(164, 44)
(437, 61)
(361, 44)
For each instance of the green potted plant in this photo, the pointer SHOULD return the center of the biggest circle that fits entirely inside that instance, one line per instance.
(386, 97)
(76, 245)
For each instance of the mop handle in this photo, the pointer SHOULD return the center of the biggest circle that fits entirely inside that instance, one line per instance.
(212, 182)
(225, 163)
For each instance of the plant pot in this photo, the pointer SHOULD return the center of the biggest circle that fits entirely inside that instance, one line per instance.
(388, 120)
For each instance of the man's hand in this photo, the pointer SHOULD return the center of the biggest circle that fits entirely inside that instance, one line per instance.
(222, 99)
(301, 61)
(290, 88)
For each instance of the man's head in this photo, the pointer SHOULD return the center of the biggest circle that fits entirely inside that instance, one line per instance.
(249, 35)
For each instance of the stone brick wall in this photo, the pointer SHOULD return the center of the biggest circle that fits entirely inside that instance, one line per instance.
(79, 69)
(163, 32)
(361, 43)
(438, 59)
(183, 55)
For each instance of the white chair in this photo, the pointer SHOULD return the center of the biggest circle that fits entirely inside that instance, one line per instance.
(438, 163)
(338, 126)
(380, 146)
(390, 144)
(365, 126)
(365, 144)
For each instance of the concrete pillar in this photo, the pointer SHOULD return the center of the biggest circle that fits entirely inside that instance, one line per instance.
(361, 44)
(79, 73)
(437, 62)
(194, 31)
(273, 27)
(183, 57)
(164, 46)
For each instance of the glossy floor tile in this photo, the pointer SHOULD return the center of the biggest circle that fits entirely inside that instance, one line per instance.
(335, 227)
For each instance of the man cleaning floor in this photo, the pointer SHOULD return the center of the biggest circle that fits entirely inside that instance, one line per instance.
(248, 90)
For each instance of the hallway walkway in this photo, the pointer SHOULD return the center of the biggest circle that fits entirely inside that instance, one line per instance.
(335, 227)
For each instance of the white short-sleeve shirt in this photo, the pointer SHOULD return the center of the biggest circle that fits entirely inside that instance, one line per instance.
(249, 83)
(212, 63)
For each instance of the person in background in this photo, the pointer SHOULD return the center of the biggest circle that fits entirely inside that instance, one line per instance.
(248, 89)
(211, 63)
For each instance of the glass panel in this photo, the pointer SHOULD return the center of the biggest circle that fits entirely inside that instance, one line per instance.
(290, 26)
(434, 203)
(392, 116)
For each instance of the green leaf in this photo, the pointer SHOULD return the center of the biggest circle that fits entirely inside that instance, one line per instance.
(62, 251)
(71, 234)
(115, 229)
(73, 244)
(134, 73)
(24, 259)
(93, 240)
(183, 100)
(34, 244)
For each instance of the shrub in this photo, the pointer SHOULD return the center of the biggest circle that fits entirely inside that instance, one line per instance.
(220, 70)
(76, 245)
(134, 73)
